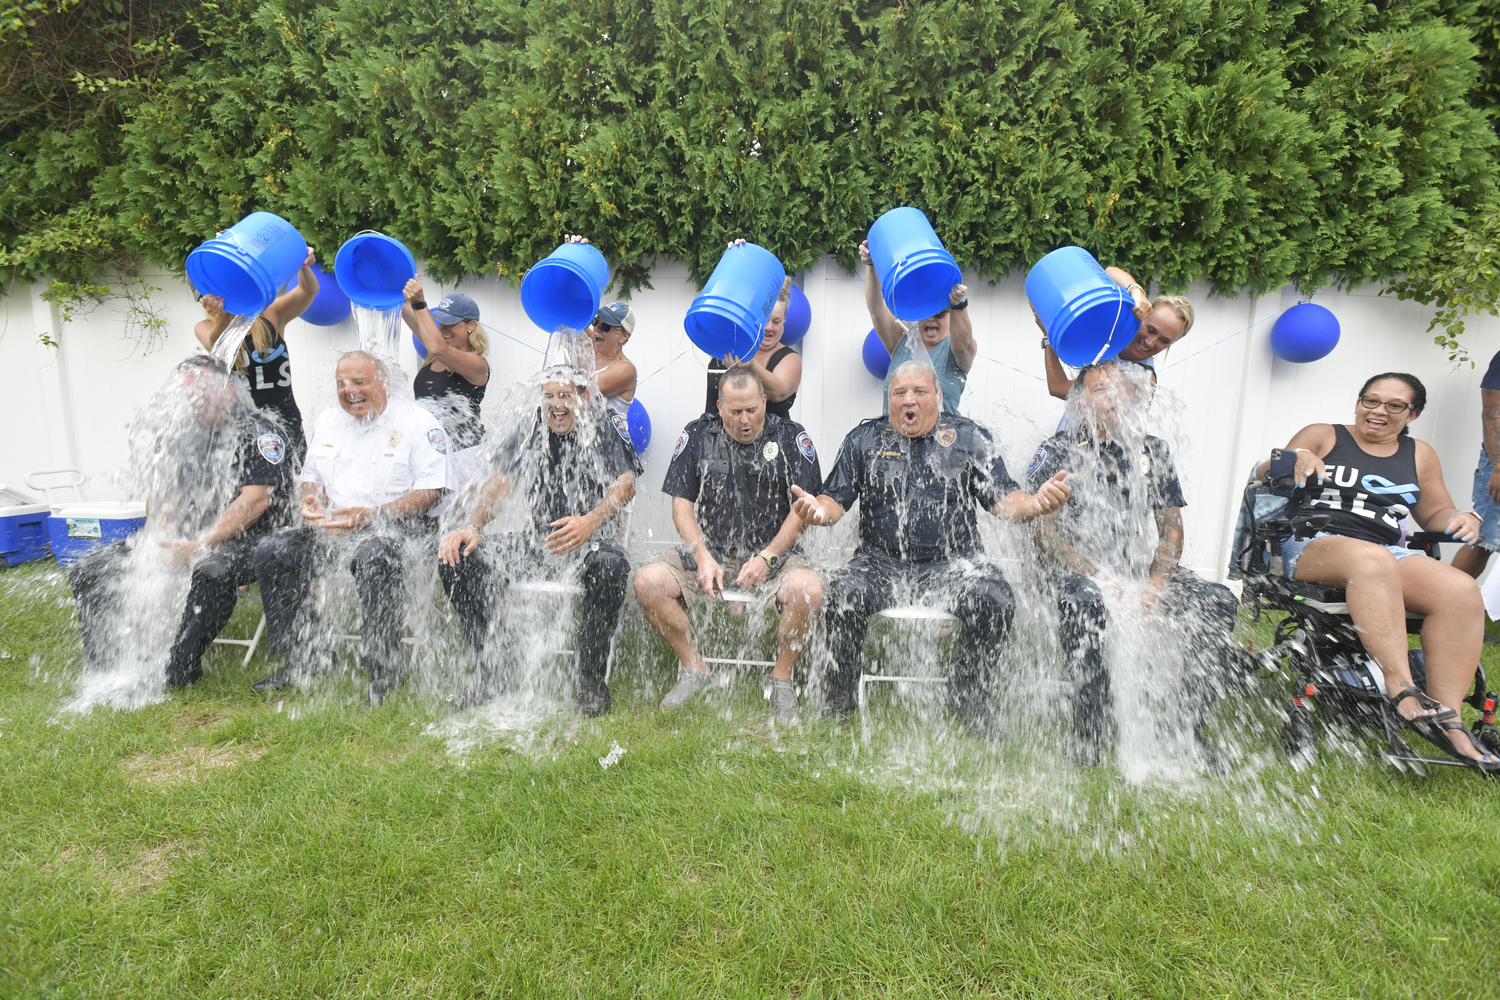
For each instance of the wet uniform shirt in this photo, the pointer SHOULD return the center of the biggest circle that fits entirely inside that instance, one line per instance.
(1108, 518)
(366, 464)
(917, 497)
(567, 475)
(742, 492)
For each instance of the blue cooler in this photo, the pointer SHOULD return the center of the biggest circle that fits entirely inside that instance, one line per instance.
(23, 528)
(76, 529)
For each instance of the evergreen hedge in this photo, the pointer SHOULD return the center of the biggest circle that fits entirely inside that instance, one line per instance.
(1248, 143)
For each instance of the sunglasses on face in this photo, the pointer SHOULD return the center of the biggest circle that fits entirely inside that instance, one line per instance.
(604, 327)
(1391, 406)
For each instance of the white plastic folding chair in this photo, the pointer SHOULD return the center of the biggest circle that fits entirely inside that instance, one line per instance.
(899, 617)
(252, 643)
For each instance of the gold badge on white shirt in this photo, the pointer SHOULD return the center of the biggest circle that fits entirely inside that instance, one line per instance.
(395, 439)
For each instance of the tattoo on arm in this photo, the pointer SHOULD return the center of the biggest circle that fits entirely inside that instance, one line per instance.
(1169, 542)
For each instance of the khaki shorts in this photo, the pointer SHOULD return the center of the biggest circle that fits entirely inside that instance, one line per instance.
(692, 594)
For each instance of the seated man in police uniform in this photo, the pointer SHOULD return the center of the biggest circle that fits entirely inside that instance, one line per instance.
(571, 470)
(216, 519)
(1122, 480)
(731, 482)
(918, 474)
(375, 466)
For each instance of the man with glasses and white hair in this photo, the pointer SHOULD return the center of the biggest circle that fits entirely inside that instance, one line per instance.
(375, 466)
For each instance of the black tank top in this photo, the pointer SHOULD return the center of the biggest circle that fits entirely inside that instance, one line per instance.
(716, 368)
(435, 385)
(269, 374)
(1368, 496)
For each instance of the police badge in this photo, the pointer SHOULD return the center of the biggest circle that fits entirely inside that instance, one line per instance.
(271, 447)
(805, 446)
(437, 440)
(946, 436)
(770, 451)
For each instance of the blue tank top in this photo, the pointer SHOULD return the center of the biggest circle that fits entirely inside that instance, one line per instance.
(950, 378)
(1367, 496)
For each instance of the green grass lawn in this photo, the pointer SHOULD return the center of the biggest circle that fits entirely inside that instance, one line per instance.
(220, 845)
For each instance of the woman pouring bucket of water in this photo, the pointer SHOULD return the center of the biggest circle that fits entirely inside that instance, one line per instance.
(778, 366)
(912, 281)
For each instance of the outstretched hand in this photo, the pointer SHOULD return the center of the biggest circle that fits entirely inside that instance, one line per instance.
(807, 507)
(1053, 494)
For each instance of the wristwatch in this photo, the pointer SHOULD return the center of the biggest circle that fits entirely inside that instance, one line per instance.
(418, 304)
(961, 305)
(770, 557)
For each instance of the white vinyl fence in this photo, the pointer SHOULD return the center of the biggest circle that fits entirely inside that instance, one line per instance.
(68, 407)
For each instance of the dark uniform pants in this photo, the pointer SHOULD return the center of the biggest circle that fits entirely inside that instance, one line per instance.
(974, 590)
(97, 582)
(470, 586)
(286, 562)
(1205, 610)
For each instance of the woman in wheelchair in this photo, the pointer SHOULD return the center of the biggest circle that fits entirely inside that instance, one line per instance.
(1372, 474)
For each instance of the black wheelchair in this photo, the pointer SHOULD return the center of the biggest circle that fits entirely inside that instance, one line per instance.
(1316, 643)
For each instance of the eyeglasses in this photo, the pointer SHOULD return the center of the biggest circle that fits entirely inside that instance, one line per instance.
(604, 327)
(1391, 406)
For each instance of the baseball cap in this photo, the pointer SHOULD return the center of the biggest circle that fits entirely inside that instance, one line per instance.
(617, 314)
(454, 308)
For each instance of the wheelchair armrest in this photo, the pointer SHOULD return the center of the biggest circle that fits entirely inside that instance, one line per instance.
(1422, 539)
(1301, 526)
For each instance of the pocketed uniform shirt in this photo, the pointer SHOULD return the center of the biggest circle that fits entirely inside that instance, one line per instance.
(1114, 490)
(369, 463)
(567, 475)
(918, 496)
(742, 493)
(262, 461)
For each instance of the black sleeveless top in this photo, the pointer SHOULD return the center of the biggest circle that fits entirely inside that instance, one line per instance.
(1367, 496)
(716, 368)
(429, 384)
(269, 375)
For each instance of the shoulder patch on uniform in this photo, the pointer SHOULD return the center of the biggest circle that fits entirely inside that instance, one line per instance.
(1036, 461)
(805, 447)
(438, 440)
(272, 447)
(621, 424)
(946, 436)
(682, 440)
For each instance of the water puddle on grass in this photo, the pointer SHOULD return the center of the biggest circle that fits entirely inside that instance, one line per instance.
(534, 725)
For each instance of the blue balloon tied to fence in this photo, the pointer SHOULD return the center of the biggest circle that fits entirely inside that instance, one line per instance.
(798, 318)
(421, 347)
(331, 306)
(877, 358)
(639, 423)
(1305, 332)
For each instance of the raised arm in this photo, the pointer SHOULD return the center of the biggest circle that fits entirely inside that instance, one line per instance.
(782, 382)
(616, 378)
(294, 303)
(888, 328)
(471, 367)
(213, 325)
(961, 329)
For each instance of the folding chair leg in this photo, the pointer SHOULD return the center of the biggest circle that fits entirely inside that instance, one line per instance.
(863, 701)
(260, 630)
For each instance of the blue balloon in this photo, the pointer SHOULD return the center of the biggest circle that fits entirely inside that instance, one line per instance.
(1305, 332)
(331, 306)
(421, 347)
(798, 318)
(877, 358)
(639, 422)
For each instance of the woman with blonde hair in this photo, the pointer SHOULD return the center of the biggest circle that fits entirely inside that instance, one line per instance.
(455, 364)
(263, 361)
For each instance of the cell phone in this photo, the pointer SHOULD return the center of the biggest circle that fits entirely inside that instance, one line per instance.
(1283, 463)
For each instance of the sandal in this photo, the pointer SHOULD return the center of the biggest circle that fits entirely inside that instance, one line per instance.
(1433, 708)
(1435, 734)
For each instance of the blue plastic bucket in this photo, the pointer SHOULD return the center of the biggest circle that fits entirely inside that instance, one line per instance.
(916, 272)
(248, 264)
(373, 268)
(564, 287)
(729, 316)
(1086, 315)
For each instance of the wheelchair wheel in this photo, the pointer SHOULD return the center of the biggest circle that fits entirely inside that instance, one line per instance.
(1489, 741)
(1298, 738)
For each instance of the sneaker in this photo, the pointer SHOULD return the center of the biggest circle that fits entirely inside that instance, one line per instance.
(181, 677)
(1087, 751)
(381, 686)
(594, 700)
(784, 701)
(980, 721)
(838, 706)
(689, 683)
(279, 681)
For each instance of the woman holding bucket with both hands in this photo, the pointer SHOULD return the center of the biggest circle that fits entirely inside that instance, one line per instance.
(779, 366)
(948, 337)
(263, 361)
(1164, 321)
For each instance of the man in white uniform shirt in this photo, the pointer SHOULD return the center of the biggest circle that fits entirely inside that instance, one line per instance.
(375, 467)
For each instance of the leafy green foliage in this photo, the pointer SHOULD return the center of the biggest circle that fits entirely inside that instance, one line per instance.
(1246, 143)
